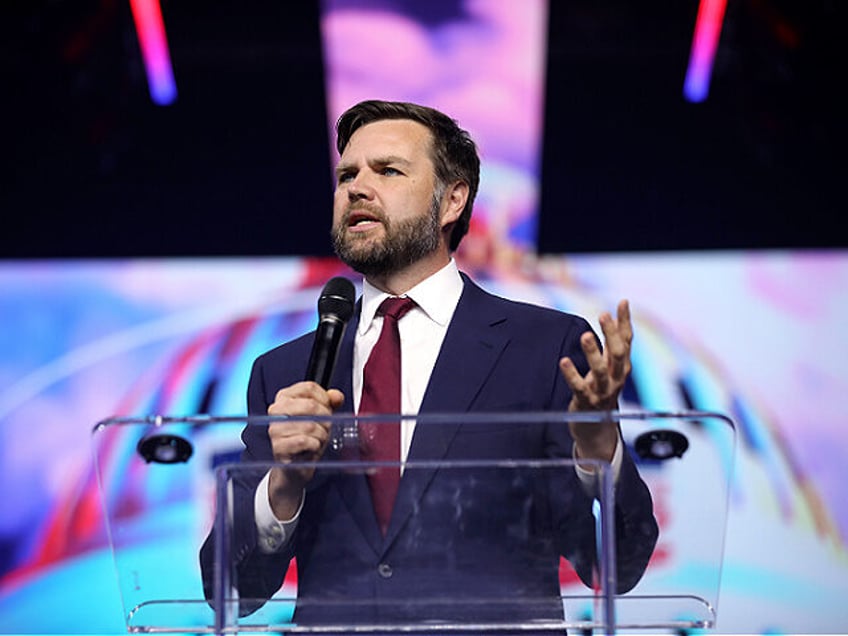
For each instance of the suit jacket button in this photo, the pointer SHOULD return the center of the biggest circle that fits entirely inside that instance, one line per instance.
(384, 570)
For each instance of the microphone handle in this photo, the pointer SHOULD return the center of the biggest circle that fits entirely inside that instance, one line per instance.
(325, 350)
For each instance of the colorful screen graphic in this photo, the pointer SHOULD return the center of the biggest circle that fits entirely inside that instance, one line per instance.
(84, 341)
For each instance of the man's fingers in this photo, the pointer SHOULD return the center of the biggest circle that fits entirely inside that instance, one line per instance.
(590, 347)
(290, 446)
(298, 428)
(584, 396)
(608, 369)
(298, 406)
(304, 398)
(298, 440)
(570, 373)
(625, 325)
(617, 336)
(599, 373)
(336, 398)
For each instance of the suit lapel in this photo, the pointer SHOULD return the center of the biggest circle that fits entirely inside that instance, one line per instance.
(473, 343)
(472, 346)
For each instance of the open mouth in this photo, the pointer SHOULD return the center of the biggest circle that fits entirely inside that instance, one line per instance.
(361, 219)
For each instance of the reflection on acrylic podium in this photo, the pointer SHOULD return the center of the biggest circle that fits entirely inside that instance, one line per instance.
(474, 544)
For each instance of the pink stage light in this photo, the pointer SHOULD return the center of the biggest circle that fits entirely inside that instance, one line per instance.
(696, 87)
(154, 50)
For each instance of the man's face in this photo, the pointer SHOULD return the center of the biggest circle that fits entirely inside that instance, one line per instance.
(386, 212)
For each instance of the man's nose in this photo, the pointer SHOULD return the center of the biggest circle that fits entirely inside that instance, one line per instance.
(360, 187)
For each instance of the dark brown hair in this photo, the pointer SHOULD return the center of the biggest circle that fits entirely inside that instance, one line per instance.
(453, 152)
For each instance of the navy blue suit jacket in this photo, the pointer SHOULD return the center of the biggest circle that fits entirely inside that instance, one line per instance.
(451, 536)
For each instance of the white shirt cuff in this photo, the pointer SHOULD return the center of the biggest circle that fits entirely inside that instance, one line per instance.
(589, 478)
(273, 534)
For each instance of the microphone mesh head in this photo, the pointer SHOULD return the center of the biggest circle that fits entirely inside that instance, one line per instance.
(337, 299)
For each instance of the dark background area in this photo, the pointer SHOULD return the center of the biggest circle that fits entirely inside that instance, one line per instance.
(240, 163)
(629, 164)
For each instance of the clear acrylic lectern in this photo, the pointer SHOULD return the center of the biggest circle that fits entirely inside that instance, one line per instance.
(481, 544)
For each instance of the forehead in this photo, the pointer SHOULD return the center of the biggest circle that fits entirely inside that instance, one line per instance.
(389, 137)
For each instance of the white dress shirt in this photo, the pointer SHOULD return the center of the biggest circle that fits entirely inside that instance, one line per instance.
(422, 331)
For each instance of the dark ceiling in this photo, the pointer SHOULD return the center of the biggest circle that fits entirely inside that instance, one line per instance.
(240, 164)
(629, 164)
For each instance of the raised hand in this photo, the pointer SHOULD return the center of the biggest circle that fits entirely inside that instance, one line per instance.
(601, 387)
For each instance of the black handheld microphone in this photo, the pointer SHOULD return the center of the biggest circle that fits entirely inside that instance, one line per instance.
(335, 307)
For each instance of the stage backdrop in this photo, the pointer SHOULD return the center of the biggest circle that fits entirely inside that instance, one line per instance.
(731, 332)
(756, 334)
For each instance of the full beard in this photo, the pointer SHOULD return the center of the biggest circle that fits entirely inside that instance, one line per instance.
(404, 243)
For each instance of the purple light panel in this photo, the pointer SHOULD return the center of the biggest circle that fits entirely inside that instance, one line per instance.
(154, 50)
(696, 86)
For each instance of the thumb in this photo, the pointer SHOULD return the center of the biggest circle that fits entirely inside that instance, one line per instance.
(336, 398)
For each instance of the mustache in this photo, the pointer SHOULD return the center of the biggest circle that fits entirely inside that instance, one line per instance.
(365, 209)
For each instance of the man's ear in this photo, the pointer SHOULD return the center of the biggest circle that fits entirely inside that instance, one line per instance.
(453, 203)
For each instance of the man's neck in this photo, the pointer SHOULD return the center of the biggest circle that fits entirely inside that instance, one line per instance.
(400, 282)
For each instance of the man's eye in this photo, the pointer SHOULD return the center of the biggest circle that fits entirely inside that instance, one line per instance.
(390, 172)
(345, 177)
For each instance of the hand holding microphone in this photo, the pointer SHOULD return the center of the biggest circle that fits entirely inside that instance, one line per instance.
(306, 440)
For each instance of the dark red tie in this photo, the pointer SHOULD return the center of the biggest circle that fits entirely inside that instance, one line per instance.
(380, 441)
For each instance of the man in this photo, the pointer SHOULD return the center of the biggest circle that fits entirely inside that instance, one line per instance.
(406, 183)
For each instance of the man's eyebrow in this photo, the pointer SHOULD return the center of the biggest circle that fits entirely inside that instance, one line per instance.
(384, 161)
(343, 167)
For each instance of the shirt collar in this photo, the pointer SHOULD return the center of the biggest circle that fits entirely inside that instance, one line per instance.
(437, 296)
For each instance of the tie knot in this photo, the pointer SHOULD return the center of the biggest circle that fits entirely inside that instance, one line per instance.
(395, 307)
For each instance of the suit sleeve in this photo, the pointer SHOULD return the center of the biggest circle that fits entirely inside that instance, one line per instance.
(636, 529)
(257, 575)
